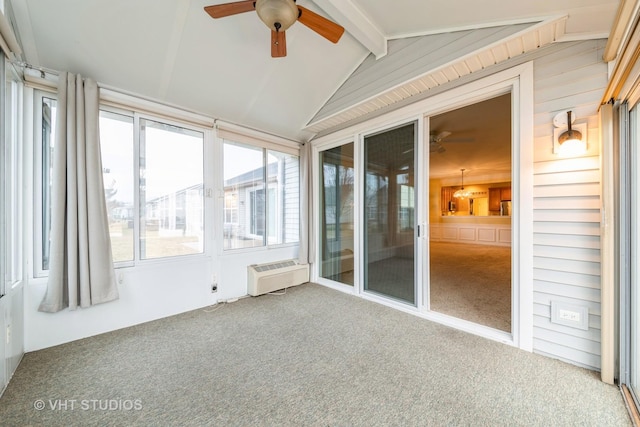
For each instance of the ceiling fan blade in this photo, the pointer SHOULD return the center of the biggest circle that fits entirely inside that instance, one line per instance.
(278, 44)
(436, 147)
(460, 140)
(442, 135)
(227, 9)
(321, 25)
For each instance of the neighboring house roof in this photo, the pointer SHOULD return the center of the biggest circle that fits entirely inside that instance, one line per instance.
(252, 176)
(164, 196)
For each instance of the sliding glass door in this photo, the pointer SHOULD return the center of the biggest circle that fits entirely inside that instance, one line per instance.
(337, 198)
(389, 213)
(631, 282)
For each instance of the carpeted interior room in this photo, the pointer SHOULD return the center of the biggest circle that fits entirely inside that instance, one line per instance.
(311, 356)
(471, 282)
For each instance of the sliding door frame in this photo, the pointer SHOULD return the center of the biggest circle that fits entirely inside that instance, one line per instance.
(519, 82)
(628, 244)
(316, 271)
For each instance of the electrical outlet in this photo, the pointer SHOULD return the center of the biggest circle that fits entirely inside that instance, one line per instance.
(572, 315)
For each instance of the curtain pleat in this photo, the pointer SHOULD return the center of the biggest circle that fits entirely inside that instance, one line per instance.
(306, 252)
(81, 269)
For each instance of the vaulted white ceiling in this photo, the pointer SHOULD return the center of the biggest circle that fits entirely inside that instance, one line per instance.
(173, 52)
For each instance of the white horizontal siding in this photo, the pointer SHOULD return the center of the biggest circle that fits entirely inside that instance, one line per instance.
(576, 202)
(564, 253)
(567, 282)
(567, 203)
(564, 241)
(567, 229)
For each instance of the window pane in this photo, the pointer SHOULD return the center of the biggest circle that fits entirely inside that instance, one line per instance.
(244, 198)
(116, 144)
(283, 203)
(171, 190)
(48, 142)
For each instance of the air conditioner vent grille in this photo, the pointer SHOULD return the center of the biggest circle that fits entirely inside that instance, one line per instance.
(274, 266)
(273, 276)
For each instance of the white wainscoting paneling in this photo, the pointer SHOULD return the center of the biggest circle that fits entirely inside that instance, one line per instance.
(482, 234)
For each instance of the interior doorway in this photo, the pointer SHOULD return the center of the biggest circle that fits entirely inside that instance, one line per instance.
(470, 207)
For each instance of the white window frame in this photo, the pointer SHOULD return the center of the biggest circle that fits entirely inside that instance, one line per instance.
(206, 134)
(266, 186)
(13, 186)
(138, 109)
(38, 173)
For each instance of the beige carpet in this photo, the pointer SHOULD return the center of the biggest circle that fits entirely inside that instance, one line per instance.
(472, 282)
(309, 357)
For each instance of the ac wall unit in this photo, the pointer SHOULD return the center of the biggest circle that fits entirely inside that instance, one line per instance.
(270, 277)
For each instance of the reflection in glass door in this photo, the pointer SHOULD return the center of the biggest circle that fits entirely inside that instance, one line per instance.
(336, 195)
(389, 213)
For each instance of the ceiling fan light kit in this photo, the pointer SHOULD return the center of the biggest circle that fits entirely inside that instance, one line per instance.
(279, 15)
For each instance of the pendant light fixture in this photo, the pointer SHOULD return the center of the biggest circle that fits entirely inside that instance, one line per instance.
(462, 193)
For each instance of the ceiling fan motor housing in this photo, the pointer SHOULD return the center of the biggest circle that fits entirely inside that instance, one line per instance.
(278, 15)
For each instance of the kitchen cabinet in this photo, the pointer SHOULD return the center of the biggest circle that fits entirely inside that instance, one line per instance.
(446, 194)
(505, 193)
(496, 195)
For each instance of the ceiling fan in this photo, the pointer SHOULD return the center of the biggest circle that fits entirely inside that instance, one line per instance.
(279, 15)
(436, 140)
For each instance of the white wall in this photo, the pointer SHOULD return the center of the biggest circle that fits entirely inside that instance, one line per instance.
(14, 324)
(147, 292)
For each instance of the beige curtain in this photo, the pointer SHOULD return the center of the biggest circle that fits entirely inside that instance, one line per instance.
(306, 252)
(81, 268)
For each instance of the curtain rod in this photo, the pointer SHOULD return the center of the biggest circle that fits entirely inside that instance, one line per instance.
(42, 70)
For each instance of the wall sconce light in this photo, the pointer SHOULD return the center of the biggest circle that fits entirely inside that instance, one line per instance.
(571, 141)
